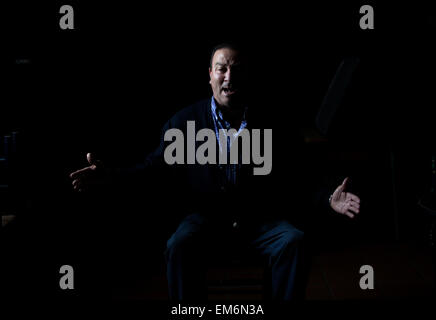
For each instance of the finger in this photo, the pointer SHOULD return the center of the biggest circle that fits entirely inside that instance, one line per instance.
(82, 188)
(354, 205)
(78, 184)
(353, 197)
(81, 172)
(349, 214)
(353, 209)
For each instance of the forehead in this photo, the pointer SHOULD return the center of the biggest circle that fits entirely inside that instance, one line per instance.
(226, 56)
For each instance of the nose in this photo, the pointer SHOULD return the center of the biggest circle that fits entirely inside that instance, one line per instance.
(227, 76)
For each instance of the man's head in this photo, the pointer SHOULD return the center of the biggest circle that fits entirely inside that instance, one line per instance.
(225, 73)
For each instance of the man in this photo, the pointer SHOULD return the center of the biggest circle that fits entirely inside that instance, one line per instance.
(225, 202)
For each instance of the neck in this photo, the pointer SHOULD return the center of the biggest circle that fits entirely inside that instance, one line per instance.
(232, 114)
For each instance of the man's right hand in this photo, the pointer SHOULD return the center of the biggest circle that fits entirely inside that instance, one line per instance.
(89, 177)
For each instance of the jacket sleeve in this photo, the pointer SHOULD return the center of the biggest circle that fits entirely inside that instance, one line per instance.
(146, 171)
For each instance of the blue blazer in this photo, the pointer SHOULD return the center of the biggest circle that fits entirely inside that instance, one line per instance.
(284, 193)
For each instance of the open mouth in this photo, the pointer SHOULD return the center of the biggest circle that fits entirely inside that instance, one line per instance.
(229, 91)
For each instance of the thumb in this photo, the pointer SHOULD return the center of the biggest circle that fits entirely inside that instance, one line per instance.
(91, 159)
(341, 187)
(344, 184)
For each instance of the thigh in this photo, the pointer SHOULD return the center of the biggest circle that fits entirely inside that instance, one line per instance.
(270, 238)
(191, 227)
(196, 230)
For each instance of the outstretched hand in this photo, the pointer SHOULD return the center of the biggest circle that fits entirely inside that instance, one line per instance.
(345, 202)
(90, 176)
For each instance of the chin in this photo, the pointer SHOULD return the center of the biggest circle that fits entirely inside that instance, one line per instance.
(223, 102)
(233, 102)
(227, 104)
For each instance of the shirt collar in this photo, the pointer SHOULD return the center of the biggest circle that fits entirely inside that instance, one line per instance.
(218, 115)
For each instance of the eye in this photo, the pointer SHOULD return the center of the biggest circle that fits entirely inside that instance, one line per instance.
(222, 69)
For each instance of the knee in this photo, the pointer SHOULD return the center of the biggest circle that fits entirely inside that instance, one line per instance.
(179, 243)
(187, 238)
(287, 245)
(292, 237)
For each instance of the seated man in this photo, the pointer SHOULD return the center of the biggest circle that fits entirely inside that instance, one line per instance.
(224, 198)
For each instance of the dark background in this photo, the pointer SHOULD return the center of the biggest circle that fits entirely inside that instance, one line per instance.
(69, 92)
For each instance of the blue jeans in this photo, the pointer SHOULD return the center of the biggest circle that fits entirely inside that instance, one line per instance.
(197, 237)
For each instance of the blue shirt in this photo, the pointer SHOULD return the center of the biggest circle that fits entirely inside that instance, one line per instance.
(231, 170)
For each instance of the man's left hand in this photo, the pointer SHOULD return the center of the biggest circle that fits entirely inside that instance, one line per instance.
(345, 202)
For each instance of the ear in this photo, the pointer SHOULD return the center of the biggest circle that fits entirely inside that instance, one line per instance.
(210, 74)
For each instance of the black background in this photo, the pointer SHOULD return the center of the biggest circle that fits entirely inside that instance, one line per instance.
(69, 92)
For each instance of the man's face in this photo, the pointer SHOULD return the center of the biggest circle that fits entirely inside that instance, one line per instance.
(225, 77)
